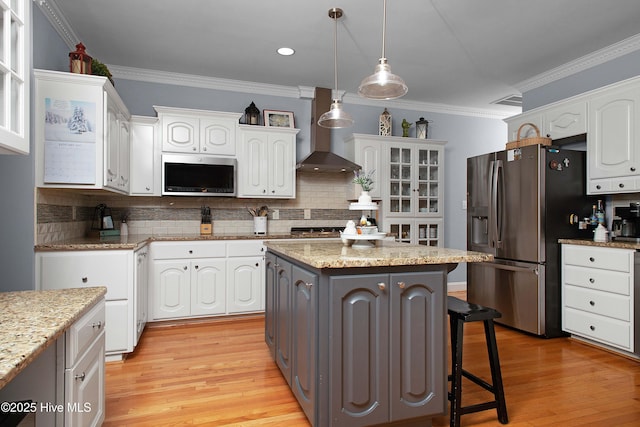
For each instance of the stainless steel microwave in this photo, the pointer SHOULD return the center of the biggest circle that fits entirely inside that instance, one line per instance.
(198, 175)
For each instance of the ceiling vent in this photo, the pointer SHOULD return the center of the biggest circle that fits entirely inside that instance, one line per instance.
(510, 101)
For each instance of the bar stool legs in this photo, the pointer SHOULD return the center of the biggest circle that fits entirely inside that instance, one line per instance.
(458, 314)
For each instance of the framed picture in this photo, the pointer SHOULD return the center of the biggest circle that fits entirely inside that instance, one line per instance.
(279, 119)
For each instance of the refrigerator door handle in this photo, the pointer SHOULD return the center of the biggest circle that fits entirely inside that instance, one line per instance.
(534, 270)
(500, 203)
(496, 190)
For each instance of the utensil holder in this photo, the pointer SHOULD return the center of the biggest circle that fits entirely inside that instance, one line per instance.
(260, 225)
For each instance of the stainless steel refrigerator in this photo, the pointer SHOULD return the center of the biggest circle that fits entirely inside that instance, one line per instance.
(519, 203)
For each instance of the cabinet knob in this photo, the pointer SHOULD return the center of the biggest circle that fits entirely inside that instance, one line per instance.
(264, 191)
(309, 285)
(593, 328)
(621, 185)
(633, 168)
(592, 303)
(382, 286)
(196, 267)
(401, 285)
(194, 149)
(184, 268)
(190, 252)
(97, 325)
(598, 187)
(592, 280)
(80, 377)
(257, 264)
(592, 259)
(147, 188)
(85, 280)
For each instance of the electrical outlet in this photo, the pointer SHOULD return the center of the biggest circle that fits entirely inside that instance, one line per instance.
(275, 214)
(307, 214)
(464, 205)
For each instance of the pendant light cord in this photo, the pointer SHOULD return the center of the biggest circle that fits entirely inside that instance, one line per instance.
(335, 53)
(384, 24)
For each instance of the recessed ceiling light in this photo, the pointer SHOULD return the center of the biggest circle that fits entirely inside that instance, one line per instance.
(286, 51)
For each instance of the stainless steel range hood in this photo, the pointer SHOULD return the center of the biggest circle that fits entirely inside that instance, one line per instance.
(321, 158)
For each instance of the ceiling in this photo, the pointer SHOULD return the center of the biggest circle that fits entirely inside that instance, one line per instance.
(462, 53)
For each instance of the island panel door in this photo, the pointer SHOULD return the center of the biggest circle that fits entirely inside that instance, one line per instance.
(283, 318)
(359, 357)
(417, 319)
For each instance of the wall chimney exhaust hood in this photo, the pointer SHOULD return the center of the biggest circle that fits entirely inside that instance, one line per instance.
(321, 158)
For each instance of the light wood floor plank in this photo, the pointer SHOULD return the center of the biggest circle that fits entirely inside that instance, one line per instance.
(219, 373)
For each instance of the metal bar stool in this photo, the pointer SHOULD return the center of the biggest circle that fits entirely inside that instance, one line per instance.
(461, 312)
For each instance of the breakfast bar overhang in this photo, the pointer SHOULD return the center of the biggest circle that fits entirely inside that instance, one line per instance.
(360, 333)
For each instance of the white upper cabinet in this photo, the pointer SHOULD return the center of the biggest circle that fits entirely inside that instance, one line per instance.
(366, 151)
(81, 133)
(267, 162)
(145, 157)
(198, 131)
(566, 120)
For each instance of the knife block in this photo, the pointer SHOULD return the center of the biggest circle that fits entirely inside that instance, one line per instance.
(205, 229)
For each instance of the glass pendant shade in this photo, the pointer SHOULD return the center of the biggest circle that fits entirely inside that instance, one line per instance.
(336, 117)
(382, 84)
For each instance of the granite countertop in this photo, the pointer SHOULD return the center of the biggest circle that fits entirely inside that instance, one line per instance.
(30, 321)
(611, 244)
(333, 254)
(136, 241)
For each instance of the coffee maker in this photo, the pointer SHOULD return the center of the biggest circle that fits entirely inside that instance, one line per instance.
(626, 222)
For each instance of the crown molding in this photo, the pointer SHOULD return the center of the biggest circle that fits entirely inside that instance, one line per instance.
(591, 60)
(59, 23)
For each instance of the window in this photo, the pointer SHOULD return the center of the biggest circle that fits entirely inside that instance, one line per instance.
(14, 75)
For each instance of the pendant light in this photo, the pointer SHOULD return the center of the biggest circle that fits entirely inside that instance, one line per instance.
(336, 117)
(383, 84)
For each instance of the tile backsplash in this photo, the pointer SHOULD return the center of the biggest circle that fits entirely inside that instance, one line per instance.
(63, 214)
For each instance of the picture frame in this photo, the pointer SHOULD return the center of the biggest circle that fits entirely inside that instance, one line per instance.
(281, 119)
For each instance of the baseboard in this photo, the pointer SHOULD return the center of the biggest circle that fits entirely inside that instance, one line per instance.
(456, 286)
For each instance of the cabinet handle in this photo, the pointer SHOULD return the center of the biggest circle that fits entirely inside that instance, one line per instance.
(97, 325)
(633, 168)
(382, 286)
(85, 280)
(80, 377)
(401, 285)
(592, 303)
(592, 280)
(593, 328)
(309, 285)
(147, 188)
(592, 259)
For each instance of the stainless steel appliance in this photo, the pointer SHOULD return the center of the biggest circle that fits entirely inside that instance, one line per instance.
(198, 175)
(626, 222)
(519, 202)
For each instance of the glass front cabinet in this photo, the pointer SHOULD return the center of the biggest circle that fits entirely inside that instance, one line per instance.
(411, 181)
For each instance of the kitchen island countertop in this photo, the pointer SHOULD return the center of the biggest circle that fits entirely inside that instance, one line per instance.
(30, 321)
(319, 254)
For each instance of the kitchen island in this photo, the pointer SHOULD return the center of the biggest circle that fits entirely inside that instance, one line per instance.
(360, 333)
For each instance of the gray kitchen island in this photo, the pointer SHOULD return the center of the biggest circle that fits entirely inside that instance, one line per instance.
(360, 333)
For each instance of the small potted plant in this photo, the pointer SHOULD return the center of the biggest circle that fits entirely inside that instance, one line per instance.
(365, 180)
(99, 69)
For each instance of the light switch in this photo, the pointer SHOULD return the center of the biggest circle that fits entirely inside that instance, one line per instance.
(464, 205)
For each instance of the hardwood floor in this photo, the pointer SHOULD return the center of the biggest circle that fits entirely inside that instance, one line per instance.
(219, 373)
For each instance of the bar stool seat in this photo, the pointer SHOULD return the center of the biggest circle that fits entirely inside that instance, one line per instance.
(461, 312)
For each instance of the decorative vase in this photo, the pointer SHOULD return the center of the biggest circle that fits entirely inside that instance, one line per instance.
(124, 229)
(364, 198)
(260, 225)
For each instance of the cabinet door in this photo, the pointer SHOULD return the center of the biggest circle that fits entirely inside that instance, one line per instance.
(85, 387)
(400, 186)
(207, 287)
(141, 294)
(368, 154)
(428, 232)
(252, 165)
(513, 124)
(120, 327)
(613, 143)
(359, 358)
(245, 279)
(180, 133)
(566, 120)
(281, 166)
(171, 289)
(124, 155)
(112, 146)
(270, 303)
(418, 374)
(428, 186)
(145, 173)
(218, 136)
(304, 312)
(283, 318)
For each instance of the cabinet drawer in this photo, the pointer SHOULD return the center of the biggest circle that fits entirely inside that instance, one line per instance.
(599, 328)
(592, 278)
(245, 248)
(83, 332)
(598, 302)
(596, 257)
(188, 250)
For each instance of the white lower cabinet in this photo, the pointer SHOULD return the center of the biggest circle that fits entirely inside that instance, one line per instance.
(113, 269)
(598, 295)
(194, 279)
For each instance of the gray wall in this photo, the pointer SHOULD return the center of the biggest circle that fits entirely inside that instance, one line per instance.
(618, 69)
(18, 177)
